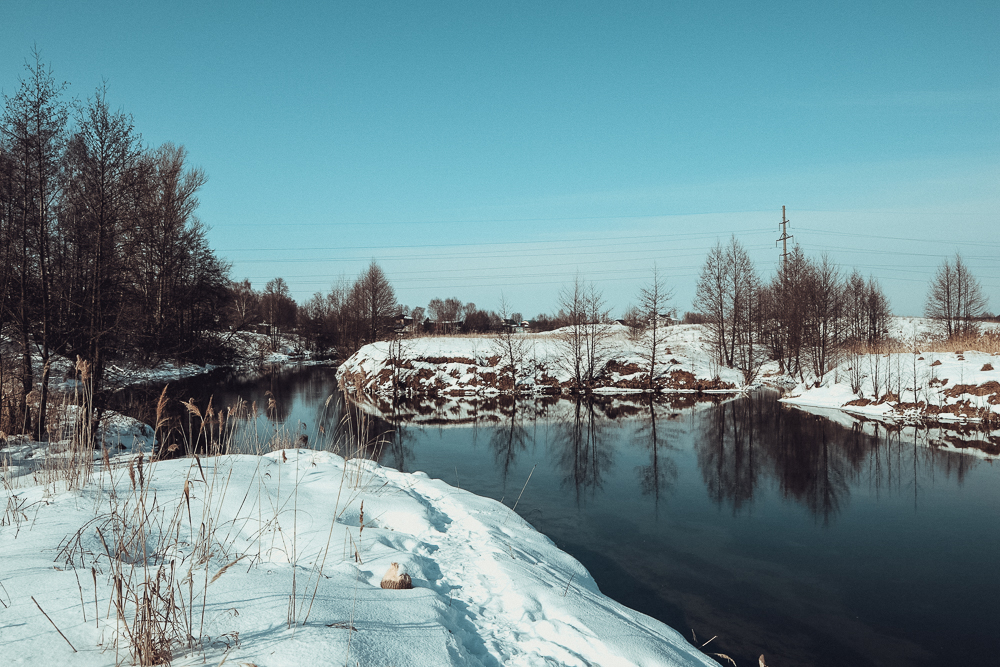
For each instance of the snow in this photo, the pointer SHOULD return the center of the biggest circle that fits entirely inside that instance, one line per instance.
(464, 364)
(288, 526)
(943, 386)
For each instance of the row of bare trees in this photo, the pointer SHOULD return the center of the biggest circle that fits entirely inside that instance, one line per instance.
(801, 318)
(100, 252)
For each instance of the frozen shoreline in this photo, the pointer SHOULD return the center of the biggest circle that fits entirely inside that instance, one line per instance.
(489, 589)
(904, 387)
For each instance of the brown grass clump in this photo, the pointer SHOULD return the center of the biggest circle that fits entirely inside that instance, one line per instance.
(986, 367)
(988, 342)
(937, 362)
(447, 360)
(860, 402)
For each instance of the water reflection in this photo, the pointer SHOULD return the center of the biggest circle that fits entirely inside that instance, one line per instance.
(729, 462)
(748, 442)
(741, 444)
(659, 476)
(509, 439)
(582, 447)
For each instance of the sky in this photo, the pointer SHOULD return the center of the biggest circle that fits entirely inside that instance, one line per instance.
(493, 150)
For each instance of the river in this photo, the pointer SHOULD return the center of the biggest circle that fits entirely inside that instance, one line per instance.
(776, 531)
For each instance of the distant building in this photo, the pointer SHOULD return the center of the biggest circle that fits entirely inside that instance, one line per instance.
(403, 324)
(516, 326)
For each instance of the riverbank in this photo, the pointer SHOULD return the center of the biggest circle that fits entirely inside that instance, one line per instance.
(466, 365)
(909, 387)
(277, 560)
(251, 350)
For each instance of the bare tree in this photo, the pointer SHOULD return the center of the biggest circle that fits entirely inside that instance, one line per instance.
(572, 336)
(103, 167)
(710, 300)
(866, 310)
(785, 317)
(635, 320)
(377, 300)
(750, 352)
(161, 240)
(510, 346)
(418, 317)
(100, 255)
(824, 303)
(278, 308)
(955, 299)
(653, 300)
(724, 294)
(585, 331)
(445, 313)
(597, 331)
(244, 306)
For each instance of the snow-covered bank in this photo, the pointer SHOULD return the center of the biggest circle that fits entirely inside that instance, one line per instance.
(306, 536)
(252, 350)
(946, 386)
(475, 365)
(120, 435)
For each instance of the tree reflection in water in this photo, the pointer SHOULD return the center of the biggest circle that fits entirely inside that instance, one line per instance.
(582, 447)
(741, 444)
(509, 438)
(745, 442)
(661, 472)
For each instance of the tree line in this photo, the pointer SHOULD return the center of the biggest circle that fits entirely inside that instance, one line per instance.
(810, 311)
(101, 255)
(799, 318)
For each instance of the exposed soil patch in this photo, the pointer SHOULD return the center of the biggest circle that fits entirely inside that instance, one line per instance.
(986, 389)
(622, 369)
(681, 379)
(452, 360)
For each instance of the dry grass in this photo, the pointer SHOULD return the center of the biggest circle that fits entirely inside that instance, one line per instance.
(157, 551)
(988, 342)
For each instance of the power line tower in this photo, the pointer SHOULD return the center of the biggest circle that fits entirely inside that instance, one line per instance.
(784, 238)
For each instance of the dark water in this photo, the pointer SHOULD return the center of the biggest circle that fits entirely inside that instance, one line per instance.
(777, 531)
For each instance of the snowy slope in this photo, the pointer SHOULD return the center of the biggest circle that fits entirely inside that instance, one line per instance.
(306, 535)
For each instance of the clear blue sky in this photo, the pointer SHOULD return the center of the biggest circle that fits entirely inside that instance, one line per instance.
(474, 147)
